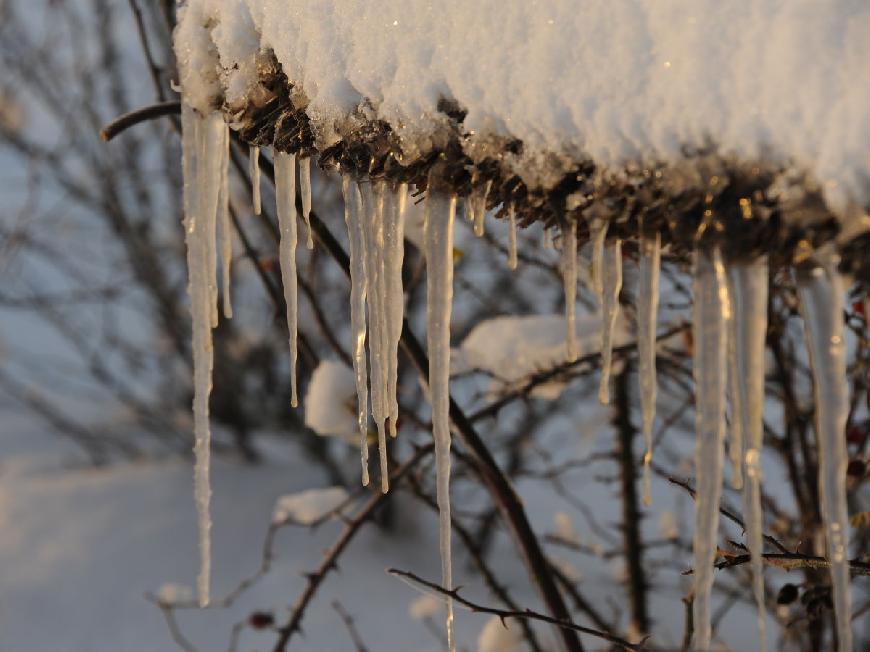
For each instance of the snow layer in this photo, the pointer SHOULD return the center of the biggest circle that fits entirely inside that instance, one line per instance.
(309, 506)
(330, 403)
(512, 348)
(498, 636)
(617, 80)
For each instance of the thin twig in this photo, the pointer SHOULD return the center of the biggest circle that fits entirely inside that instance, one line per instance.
(728, 513)
(790, 561)
(315, 579)
(351, 627)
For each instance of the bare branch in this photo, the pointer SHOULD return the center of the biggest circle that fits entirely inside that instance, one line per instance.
(528, 614)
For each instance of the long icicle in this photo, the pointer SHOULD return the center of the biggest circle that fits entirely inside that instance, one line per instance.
(440, 212)
(647, 311)
(211, 152)
(305, 191)
(597, 234)
(254, 171)
(569, 281)
(735, 398)
(821, 297)
(749, 300)
(356, 238)
(394, 248)
(478, 201)
(285, 194)
(512, 237)
(373, 213)
(201, 164)
(611, 285)
(226, 231)
(709, 325)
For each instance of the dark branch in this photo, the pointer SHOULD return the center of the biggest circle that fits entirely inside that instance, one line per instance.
(146, 113)
(528, 614)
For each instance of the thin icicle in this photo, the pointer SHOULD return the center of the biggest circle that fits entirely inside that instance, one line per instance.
(226, 232)
(478, 204)
(548, 238)
(709, 325)
(202, 167)
(597, 234)
(821, 297)
(254, 165)
(569, 281)
(611, 285)
(373, 213)
(440, 211)
(512, 235)
(735, 398)
(356, 237)
(647, 311)
(212, 151)
(285, 195)
(749, 301)
(305, 191)
(394, 254)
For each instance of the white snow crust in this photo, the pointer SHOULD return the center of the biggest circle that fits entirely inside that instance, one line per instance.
(512, 348)
(330, 404)
(616, 80)
(309, 506)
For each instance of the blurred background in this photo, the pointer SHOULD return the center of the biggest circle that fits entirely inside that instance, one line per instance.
(96, 506)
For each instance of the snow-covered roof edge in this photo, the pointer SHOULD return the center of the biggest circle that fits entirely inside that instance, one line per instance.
(234, 56)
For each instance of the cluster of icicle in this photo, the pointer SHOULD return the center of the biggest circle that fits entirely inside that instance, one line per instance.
(729, 325)
(374, 213)
(729, 328)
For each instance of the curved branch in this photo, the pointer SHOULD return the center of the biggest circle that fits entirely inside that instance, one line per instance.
(146, 113)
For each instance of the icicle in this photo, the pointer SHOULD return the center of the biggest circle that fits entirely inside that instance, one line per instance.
(597, 233)
(285, 195)
(735, 398)
(305, 191)
(226, 232)
(749, 301)
(710, 323)
(821, 297)
(373, 213)
(478, 204)
(212, 151)
(202, 147)
(356, 237)
(569, 280)
(512, 234)
(611, 285)
(647, 310)
(394, 253)
(440, 211)
(254, 164)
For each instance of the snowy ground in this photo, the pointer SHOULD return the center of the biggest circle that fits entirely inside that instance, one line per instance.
(80, 547)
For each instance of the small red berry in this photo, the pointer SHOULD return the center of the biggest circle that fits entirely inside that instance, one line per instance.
(261, 620)
(856, 468)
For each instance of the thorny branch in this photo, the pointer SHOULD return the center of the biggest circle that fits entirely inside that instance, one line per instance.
(504, 614)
